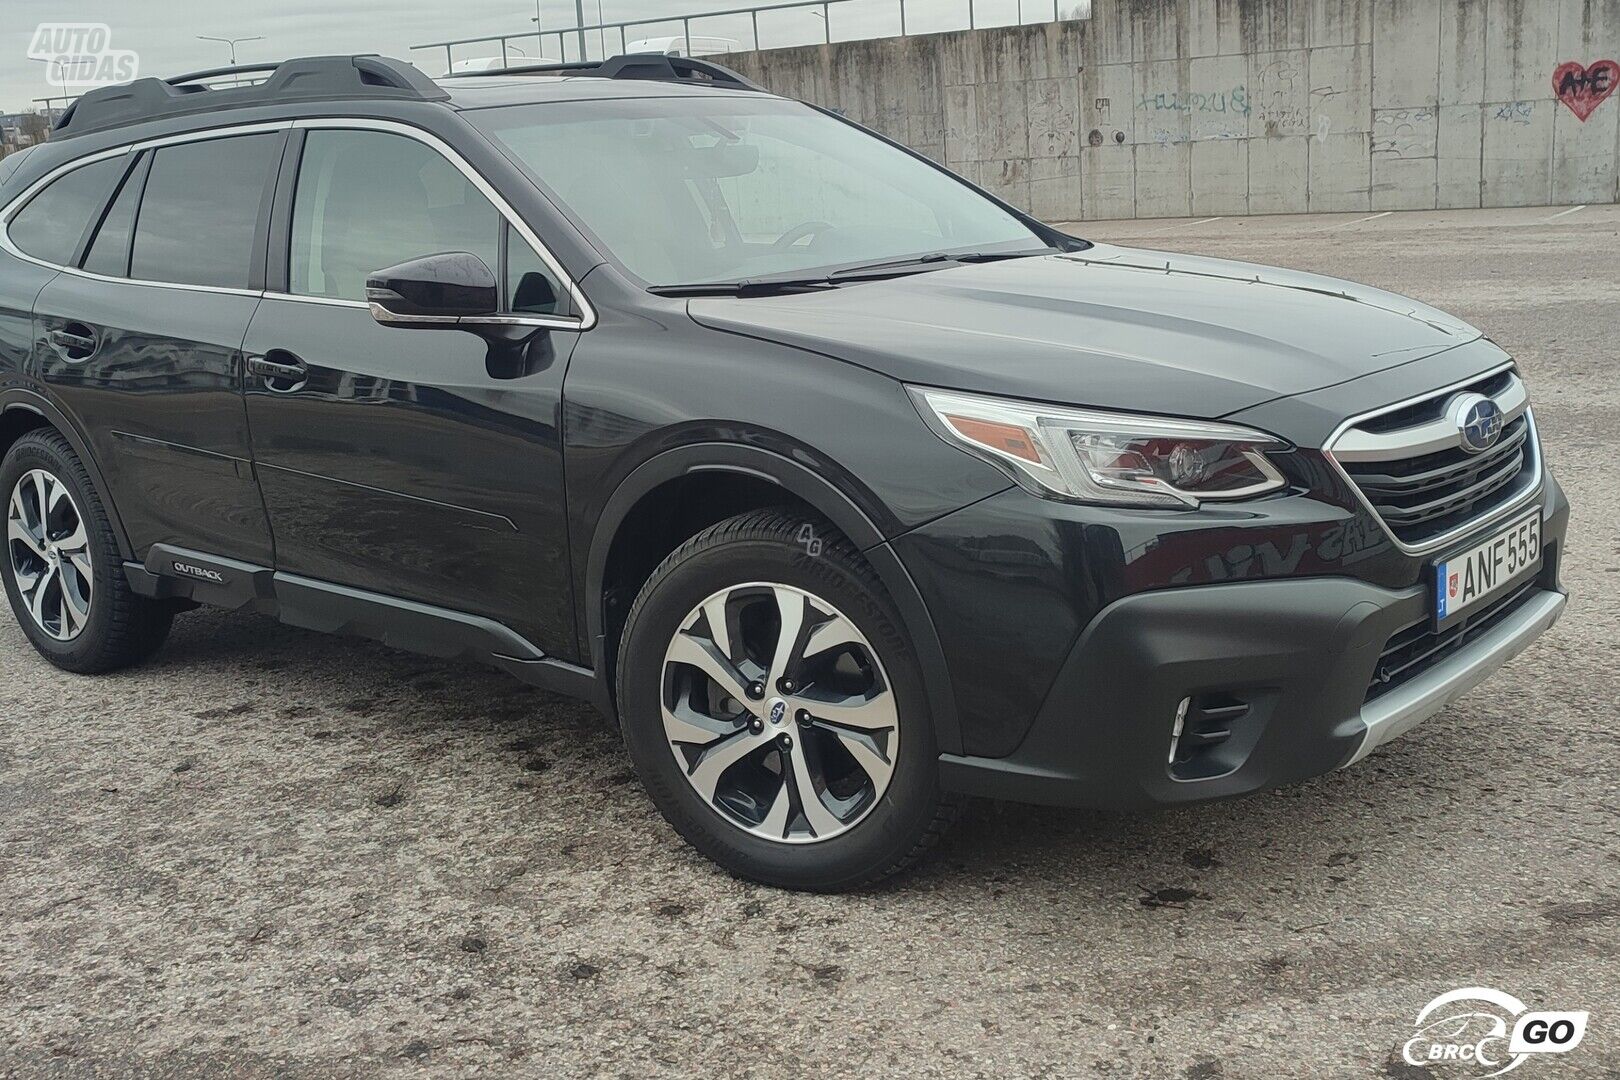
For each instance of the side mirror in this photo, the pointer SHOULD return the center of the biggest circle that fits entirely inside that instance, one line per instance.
(436, 290)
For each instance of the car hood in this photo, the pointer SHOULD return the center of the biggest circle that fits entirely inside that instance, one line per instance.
(1107, 327)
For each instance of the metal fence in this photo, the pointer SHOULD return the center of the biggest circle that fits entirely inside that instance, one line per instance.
(53, 107)
(513, 47)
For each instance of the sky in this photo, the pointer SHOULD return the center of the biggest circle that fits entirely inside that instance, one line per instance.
(164, 32)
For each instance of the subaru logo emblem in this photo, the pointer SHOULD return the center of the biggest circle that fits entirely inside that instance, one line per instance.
(1479, 422)
(778, 711)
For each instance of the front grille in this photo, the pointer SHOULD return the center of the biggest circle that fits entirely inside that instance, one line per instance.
(1410, 466)
(1435, 407)
(1419, 647)
(1421, 497)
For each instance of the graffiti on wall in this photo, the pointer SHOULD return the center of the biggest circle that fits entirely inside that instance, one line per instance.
(1516, 112)
(1404, 133)
(1216, 101)
(1584, 87)
(1279, 98)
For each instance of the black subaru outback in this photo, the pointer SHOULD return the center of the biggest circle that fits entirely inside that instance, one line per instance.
(844, 487)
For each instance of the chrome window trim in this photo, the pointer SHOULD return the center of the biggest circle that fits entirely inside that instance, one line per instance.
(1531, 493)
(585, 321)
(555, 322)
(325, 301)
(587, 314)
(12, 208)
(383, 315)
(262, 127)
(117, 151)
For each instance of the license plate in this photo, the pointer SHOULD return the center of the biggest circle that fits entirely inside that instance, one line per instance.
(1470, 579)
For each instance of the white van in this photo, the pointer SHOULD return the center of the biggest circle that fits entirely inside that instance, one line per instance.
(495, 63)
(681, 45)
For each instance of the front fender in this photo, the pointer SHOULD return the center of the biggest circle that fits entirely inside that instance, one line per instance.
(808, 486)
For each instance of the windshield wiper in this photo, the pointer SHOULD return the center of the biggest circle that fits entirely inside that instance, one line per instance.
(750, 287)
(933, 258)
(771, 285)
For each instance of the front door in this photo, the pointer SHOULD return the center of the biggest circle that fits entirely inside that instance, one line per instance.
(422, 464)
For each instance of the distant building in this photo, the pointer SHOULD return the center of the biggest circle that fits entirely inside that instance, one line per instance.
(18, 130)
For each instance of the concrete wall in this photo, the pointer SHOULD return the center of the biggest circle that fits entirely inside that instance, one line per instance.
(1205, 107)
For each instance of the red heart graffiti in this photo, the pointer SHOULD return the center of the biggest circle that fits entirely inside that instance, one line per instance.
(1584, 88)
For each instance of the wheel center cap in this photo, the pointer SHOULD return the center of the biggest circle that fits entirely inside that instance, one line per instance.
(777, 710)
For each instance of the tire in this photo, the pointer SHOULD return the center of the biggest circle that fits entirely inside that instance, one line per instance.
(106, 626)
(709, 746)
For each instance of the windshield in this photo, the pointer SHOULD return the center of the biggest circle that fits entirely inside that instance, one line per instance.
(693, 190)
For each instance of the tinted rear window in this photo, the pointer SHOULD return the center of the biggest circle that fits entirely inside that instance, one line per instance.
(201, 209)
(50, 226)
(109, 251)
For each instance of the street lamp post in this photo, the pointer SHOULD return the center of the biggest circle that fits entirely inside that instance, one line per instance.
(231, 43)
(562, 42)
(62, 66)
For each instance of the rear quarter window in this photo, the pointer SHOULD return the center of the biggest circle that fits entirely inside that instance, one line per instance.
(50, 226)
(109, 251)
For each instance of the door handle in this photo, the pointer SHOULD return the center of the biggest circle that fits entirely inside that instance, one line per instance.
(281, 371)
(74, 341)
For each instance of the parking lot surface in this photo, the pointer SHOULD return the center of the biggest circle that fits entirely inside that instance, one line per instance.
(274, 853)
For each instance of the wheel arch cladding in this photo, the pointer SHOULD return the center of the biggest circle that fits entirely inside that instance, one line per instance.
(22, 411)
(17, 421)
(672, 497)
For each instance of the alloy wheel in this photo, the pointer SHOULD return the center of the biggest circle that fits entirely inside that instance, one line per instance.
(50, 554)
(779, 713)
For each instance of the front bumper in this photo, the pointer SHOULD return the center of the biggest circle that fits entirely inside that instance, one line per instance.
(1296, 657)
(1271, 681)
(1413, 702)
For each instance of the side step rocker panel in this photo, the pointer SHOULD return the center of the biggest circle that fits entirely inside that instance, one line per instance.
(176, 573)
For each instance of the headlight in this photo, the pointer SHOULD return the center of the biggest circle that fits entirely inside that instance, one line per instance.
(1112, 458)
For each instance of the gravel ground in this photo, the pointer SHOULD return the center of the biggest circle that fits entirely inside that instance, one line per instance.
(273, 853)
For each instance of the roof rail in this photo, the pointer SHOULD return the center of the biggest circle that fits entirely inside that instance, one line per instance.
(658, 67)
(322, 78)
(221, 72)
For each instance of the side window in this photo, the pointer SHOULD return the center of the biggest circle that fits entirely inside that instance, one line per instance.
(369, 199)
(109, 251)
(50, 226)
(200, 211)
(531, 287)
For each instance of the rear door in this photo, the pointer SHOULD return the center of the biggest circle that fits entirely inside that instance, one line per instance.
(22, 276)
(141, 339)
(422, 464)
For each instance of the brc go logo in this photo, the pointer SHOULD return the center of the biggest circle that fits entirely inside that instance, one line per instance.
(81, 54)
(1481, 1037)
